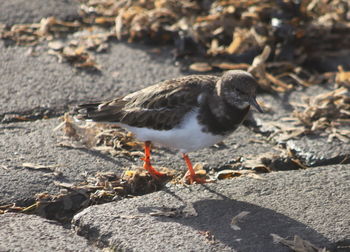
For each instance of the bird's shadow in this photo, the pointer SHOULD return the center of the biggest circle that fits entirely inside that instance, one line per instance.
(214, 217)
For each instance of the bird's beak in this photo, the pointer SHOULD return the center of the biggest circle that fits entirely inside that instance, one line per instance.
(254, 103)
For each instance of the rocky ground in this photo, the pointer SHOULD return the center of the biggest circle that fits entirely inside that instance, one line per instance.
(301, 205)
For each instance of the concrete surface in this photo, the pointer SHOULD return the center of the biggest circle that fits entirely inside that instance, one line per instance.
(51, 86)
(32, 233)
(23, 11)
(316, 151)
(309, 203)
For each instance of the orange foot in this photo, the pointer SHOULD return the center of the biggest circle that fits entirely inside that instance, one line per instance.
(147, 165)
(190, 175)
(153, 172)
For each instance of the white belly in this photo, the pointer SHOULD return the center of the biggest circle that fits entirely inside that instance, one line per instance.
(187, 137)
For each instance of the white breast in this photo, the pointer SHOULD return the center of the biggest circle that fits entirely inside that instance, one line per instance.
(186, 137)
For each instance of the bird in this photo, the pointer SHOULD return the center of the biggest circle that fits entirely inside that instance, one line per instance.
(186, 113)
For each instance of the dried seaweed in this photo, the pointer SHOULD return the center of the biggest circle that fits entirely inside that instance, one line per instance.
(252, 165)
(101, 137)
(343, 77)
(231, 33)
(51, 29)
(78, 51)
(327, 113)
(101, 188)
(224, 34)
(32, 34)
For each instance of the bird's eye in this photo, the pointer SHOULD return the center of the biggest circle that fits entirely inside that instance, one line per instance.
(236, 90)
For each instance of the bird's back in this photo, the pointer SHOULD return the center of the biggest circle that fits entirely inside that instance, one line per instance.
(159, 106)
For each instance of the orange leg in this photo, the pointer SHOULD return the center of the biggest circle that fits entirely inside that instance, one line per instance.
(192, 175)
(147, 164)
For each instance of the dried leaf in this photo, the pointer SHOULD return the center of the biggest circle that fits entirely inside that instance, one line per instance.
(40, 167)
(230, 66)
(201, 67)
(329, 110)
(298, 244)
(343, 77)
(238, 218)
(56, 45)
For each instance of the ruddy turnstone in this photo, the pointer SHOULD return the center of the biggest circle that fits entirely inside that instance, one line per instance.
(186, 113)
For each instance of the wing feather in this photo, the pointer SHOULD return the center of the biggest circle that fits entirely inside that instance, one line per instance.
(159, 106)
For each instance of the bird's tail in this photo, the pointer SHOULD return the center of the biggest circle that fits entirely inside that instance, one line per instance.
(87, 112)
(97, 112)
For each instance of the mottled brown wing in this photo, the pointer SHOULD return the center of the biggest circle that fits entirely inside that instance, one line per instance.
(160, 106)
(100, 112)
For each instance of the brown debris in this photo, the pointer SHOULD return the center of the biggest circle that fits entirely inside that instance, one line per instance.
(229, 33)
(328, 112)
(101, 137)
(229, 174)
(343, 77)
(78, 50)
(200, 67)
(229, 28)
(31, 34)
(252, 165)
(102, 188)
(298, 244)
(230, 66)
(49, 29)
(266, 80)
(79, 57)
(50, 168)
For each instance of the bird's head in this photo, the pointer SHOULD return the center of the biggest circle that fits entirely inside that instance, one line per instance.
(238, 88)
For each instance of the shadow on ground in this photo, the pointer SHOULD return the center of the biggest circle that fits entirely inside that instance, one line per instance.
(214, 220)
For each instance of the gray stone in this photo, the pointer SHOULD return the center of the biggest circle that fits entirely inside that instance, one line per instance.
(316, 151)
(312, 204)
(20, 232)
(20, 185)
(36, 143)
(23, 11)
